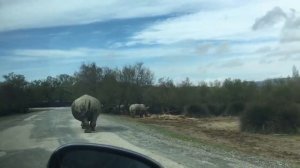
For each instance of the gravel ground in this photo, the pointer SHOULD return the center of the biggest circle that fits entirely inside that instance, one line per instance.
(28, 141)
(187, 153)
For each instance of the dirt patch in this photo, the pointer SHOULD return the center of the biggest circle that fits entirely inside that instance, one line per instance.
(224, 131)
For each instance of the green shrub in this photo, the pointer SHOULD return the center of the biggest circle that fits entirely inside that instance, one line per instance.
(235, 108)
(271, 118)
(197, 110)
(155, 109)
(287, 119)
(216, 109)
(13, 99)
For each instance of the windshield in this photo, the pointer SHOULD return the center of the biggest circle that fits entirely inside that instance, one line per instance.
(194, 83)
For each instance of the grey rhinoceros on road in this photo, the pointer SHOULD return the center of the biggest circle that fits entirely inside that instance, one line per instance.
(86, 109)
(139, 109)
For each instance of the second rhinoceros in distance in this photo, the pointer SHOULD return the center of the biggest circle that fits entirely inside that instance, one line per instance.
(139, 109)
(86, 109)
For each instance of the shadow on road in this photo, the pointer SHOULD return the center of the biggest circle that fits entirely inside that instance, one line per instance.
(110, 129)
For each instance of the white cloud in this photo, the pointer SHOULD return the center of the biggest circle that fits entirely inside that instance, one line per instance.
(213, 48)
(224, 48)
(173, 62)
(232, 63)
(232, 23)
(22, 14)
(252, 55)
(203, 49)
(49, 53)
(291, 29)
(81, 54)
(198, 26)
(287, 21)
(289, 36)
(250, 68)
(270, 19)
(263, 49)
(290, 49)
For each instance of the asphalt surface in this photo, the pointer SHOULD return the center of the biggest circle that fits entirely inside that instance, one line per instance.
(28, 141)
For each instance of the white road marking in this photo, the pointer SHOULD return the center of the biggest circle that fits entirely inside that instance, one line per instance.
(30, 118)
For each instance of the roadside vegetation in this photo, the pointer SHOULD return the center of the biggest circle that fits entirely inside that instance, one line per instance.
(270, 106)
(224, 132)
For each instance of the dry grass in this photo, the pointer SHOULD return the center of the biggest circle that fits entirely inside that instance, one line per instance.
(167, 117)
(225, 131)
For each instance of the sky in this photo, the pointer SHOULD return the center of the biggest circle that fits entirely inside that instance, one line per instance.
(204, 40)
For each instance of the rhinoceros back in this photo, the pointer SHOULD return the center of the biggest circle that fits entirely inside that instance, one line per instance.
(135, 107)
(86, 107)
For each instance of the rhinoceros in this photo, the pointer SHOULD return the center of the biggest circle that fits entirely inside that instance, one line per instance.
(139, 109)
(86, 109)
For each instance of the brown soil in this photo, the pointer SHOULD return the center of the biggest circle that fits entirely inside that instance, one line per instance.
(225, 131)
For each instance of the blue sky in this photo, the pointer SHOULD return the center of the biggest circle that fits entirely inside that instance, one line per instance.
(200, 39)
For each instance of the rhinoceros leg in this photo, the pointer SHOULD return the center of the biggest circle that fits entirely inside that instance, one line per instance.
(133, 113)
(85, 124)
(93, 124)
(88, 128)
(141, 113)
(94, 121)
(146, 114)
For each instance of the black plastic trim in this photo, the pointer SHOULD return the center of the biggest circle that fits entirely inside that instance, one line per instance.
(59, 152)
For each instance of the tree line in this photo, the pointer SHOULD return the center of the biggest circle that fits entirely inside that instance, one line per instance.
(267, 106)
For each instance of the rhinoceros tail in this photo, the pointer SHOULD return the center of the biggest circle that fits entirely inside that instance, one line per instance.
(89, 106)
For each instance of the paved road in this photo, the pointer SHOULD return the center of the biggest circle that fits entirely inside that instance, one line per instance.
(28, 141)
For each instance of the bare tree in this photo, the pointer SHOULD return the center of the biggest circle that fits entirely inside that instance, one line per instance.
(295, 72)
